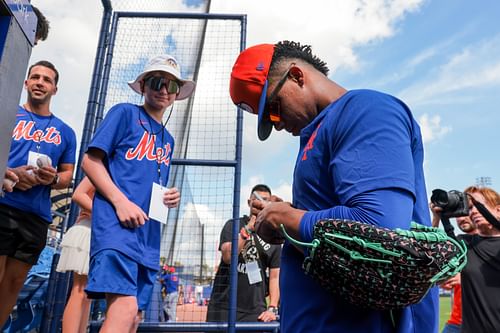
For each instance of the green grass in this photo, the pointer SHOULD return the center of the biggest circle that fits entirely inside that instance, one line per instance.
(444, 310)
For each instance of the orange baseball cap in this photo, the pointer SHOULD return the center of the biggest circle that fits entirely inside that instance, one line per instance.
(248, 85)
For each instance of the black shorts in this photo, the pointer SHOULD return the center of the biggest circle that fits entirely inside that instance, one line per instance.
(22, 235)
(218, 314)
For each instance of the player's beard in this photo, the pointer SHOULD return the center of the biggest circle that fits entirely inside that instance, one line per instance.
(467, 227)
(39, 100)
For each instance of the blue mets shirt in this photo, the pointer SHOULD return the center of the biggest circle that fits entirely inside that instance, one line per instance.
(361, 159)
(134, 144)
(47, 135)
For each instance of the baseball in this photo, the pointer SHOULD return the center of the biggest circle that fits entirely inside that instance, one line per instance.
(43, 160)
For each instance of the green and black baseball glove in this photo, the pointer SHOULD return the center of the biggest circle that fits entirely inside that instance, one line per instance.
(379, 268)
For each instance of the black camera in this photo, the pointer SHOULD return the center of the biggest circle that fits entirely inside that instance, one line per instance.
(454, 203)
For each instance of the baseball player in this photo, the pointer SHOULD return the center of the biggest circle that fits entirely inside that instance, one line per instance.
(360, 158)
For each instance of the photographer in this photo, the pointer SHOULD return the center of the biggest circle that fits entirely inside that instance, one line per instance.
(466, 225)
(481, 276)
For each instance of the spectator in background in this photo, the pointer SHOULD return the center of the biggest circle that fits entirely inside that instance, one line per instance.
(170, 283)
(198, 294)
(128, 161)
(466, 225)
(42, 25)
(181, 295)
(255, 259)
(42, 155)
(481, 276)
(75, 247)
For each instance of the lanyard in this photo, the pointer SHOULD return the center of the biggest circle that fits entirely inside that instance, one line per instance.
(38, 133)
(154, 135)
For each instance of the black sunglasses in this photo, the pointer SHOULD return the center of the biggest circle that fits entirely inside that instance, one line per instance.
(273, 104)
(157, 82)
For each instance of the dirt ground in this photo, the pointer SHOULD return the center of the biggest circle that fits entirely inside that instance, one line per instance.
(191, 313)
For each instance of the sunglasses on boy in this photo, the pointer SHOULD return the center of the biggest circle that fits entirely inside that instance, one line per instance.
(157, 82)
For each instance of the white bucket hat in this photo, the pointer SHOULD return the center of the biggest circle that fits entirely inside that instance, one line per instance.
(165, 63)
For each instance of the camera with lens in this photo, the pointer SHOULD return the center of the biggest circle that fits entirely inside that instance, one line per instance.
(454, 203)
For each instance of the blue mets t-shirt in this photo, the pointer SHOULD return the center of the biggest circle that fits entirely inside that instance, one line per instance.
(134, 144)
(46, 135)
(361, 159)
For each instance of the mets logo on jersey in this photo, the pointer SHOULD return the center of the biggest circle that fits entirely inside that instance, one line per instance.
(146, 149)
(23, 130)
(310, 143)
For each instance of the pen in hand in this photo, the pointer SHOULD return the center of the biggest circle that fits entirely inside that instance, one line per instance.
(259, 197)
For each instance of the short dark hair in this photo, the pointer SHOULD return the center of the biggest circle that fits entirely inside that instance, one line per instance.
(47, 64)
(294, 50)
(261, 188)
(42, 25)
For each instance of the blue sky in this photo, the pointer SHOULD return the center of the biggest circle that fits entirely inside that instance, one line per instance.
(442, 57)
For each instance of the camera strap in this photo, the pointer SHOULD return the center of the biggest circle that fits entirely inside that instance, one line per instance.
(448, 228)
(485, 212)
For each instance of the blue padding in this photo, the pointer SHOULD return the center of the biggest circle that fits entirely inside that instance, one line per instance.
(27, 315)
(4, 29)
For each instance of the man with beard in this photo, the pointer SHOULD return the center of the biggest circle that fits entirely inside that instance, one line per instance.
(255, 258)
(465, 224)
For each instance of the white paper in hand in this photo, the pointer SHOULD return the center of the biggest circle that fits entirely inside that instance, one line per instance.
(38, 160)
(157, 210)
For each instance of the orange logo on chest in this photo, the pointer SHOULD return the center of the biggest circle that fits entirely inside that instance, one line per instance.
(146, 149)
(310, 143)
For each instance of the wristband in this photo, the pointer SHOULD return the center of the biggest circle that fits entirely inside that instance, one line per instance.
(272, 309)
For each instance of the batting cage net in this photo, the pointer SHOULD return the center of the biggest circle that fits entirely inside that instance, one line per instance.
(205, 131)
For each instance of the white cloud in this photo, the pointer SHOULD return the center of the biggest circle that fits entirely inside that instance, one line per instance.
(431, 128)
(189, 243)
(344, 24)
(246, 188)
(475, 66)
(284, 191)
(206, 216)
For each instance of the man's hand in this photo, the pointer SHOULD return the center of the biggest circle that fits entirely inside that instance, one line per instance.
(436, 214)
(267, 316)
(172, 197)
(10, 180)
(256, 205)
(45, 175)
(129, 214)
(451, 282)
(272, 216)
(26, 176)
(251, 223)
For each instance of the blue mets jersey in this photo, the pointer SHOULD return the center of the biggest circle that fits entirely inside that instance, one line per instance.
(135, 145)
(361, 159)
(47, 135)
